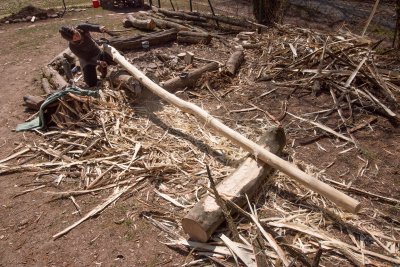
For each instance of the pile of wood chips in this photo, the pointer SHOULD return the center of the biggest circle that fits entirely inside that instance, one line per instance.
(110, 144)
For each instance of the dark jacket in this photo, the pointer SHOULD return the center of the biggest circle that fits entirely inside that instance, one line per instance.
(86, 49)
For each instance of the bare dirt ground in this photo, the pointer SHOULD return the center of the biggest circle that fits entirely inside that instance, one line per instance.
(28, 222)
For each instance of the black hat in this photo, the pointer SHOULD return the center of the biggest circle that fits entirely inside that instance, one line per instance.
(67, 33)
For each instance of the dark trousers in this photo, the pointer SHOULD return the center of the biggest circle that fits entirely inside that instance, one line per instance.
(89, 70)
(90, 75)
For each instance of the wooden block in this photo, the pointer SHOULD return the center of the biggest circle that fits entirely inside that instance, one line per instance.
(189, 56)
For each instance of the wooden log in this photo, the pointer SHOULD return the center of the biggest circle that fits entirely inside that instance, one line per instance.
(33, 102)
(143, 24)
(205, 217)
(251, 46)
(180, 15)
(46, 86)
(125, 80)
(193, 37)
(191, 78)
(135, 42)
(234, 62)
(336, 196)
(54, 77)
(67, 69)
(227, 20)
(67, 54)
(165, 24)
(126, 23)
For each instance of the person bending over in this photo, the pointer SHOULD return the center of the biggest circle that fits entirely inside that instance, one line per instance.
(87, 50)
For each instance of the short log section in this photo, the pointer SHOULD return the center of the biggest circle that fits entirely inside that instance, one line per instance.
(194, 37)
(189, 80)
(234, 62)
(142, 24)
(54, 77)
(205, 217)
(136, 42)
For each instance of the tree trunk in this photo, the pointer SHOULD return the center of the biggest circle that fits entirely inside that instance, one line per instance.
(190, 80)
(336, 196)
(193, 37)
(135, 42)
(268, 12)
(205, 217)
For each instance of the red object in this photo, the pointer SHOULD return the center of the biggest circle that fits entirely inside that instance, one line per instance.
(95, 3)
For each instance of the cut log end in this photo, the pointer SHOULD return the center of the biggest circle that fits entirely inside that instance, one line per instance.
(194, 230)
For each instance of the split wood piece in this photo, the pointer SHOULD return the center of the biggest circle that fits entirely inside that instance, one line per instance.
(33, 102)
(54, 77)
(180, 15)
(135, 42)
(142, 24)
(46, 86)
(194, 37)
(125, 80)
(234, 62)
(190, 80)
(205, 217)
(336, 196)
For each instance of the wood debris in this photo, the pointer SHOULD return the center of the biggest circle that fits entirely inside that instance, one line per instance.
(123, 145)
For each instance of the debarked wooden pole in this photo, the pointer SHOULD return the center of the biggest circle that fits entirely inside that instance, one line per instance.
(339, 198)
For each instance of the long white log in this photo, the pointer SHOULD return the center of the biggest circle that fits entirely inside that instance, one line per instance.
(339, 198)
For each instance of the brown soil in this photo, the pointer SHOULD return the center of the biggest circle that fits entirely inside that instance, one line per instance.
(28, 222)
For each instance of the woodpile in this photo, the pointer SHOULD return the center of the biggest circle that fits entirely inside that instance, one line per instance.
(190, 179)
(30, 14)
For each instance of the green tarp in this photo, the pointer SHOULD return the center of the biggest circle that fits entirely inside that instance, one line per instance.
(39, 121)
